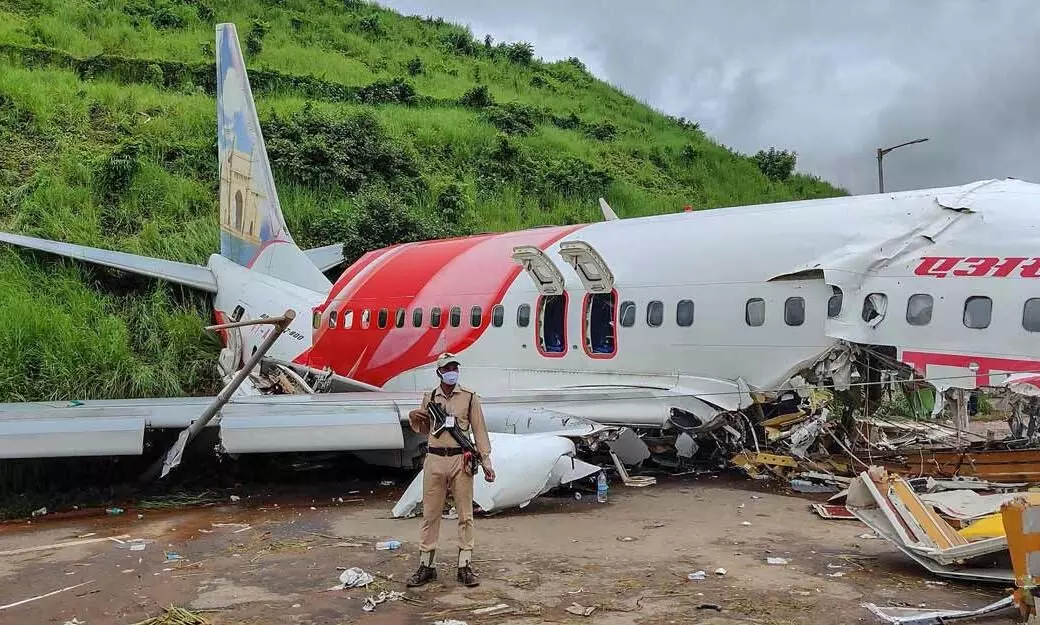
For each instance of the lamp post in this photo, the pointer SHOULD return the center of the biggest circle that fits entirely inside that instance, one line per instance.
(881, 152)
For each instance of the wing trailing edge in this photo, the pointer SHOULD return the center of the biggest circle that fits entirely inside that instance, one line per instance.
(194, 276)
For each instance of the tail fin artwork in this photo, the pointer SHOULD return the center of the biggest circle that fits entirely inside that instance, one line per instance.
(252, 229)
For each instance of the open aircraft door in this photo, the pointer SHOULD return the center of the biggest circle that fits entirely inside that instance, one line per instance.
(550, 324)
(547, 277)
(599, 308)
(592, 270)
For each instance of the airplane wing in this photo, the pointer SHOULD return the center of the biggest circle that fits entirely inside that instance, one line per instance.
(194, 276)
(365, 421)
(326, 257)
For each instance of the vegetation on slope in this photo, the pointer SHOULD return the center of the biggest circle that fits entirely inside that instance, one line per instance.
(381, 128)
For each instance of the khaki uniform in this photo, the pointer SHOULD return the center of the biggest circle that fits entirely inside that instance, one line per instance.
(443, 472)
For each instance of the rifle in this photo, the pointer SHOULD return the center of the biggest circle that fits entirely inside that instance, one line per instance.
(439, 422)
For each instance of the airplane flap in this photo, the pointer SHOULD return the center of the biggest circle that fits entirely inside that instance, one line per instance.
(54, 438)
(284, 427)
(194, 276)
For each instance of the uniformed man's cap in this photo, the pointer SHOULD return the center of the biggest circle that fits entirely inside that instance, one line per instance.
(446, 358)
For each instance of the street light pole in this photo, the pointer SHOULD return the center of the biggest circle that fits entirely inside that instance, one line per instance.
(881, 152)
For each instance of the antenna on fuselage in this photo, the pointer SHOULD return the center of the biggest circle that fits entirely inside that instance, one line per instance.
(608, 212)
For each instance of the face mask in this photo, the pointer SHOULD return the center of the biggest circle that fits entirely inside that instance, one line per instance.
(450, 377)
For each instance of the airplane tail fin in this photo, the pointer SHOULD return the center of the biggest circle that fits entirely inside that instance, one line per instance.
(252, 229)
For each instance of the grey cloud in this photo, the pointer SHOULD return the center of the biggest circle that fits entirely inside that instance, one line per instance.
(830, 80)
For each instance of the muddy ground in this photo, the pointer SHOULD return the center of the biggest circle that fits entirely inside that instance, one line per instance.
(628, 558)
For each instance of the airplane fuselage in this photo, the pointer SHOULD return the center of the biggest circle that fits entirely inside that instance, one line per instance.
(692, 296)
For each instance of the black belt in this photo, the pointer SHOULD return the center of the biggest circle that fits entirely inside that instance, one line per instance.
(445, 451)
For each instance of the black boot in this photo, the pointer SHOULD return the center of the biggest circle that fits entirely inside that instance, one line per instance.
(426, 573)
(466, 577)
(423, 575)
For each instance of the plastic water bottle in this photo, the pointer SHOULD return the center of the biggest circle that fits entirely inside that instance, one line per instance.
(388, 545)
(601, 488)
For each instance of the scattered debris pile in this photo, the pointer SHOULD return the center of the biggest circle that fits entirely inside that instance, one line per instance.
(173, 615)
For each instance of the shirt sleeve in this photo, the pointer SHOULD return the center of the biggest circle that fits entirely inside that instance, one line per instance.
(480, 432)
(418, 424)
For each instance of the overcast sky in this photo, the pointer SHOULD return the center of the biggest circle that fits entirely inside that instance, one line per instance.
(830, 80)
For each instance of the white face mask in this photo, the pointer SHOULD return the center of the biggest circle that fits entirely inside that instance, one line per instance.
(450, 377)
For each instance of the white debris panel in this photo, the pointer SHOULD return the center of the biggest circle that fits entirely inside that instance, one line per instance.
(526, 465)
(887, 505)
(927, 616)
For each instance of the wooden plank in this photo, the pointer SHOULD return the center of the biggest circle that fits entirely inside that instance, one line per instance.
(938, 530)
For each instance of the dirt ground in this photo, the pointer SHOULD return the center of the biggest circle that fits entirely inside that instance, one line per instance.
(628, 558)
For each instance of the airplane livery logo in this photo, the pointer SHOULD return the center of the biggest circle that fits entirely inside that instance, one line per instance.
(978, 266)
(250, 216)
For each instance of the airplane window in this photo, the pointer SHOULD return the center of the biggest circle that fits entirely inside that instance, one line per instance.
(474, 316)
(684, 313)
(399, 320)
(1031, 315)
(834, 303)
(315, 319)
(755, 312)
(348, 319)
(794, 311)
(366, 317)
(654, 314)
(523, 315)
(498, 315)
(382, 318)
(236, 315)
(977, 312)
(874, 307)
(332, 319)
(552, 314)
(627, 314)
(455, 316)
(919, 309)
(599, 323)
(417, 318)
(435, 317)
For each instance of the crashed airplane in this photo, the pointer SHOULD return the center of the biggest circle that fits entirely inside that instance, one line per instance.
(669, 336)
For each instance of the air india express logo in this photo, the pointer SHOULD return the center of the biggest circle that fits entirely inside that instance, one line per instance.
(978, 267)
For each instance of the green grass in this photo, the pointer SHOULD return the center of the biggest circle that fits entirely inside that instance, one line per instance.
(80, 79)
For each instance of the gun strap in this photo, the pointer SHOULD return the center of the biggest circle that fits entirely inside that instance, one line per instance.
(456, 432)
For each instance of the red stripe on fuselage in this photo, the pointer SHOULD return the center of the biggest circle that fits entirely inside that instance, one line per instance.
(987, 364)
(463, 272)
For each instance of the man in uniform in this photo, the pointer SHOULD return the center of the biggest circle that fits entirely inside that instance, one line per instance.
(444, 468)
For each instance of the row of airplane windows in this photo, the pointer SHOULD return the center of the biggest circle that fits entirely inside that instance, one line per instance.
(977, 312)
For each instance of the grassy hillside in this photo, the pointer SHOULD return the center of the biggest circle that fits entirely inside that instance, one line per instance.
(380, 127)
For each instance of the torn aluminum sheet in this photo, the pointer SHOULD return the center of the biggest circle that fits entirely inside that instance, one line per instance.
(805, 434)
(925, 616)
(685, 446)
(526, 465)
(629, 447)
(888, 505)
